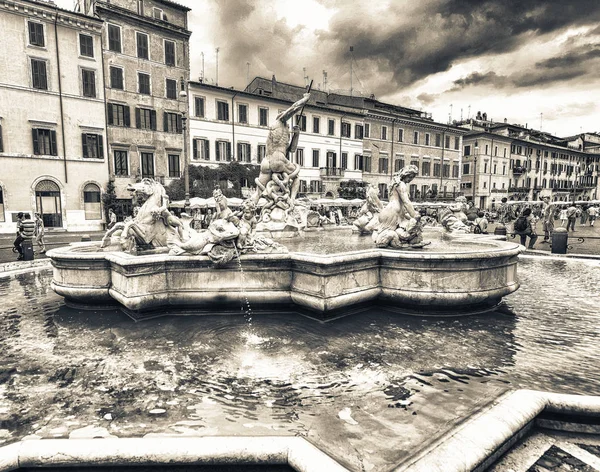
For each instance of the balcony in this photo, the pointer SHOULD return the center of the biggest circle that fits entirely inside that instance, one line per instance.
(331, 172)
(518, 170)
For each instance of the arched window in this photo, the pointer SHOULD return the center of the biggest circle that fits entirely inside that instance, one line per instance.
(47, 198)
(91, 202)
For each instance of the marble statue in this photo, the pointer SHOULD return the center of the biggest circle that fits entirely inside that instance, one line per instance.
(368, 216)
(278, 181)
(399, 224)
(454, 218)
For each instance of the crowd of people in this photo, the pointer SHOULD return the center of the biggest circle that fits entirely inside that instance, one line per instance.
(29, 230)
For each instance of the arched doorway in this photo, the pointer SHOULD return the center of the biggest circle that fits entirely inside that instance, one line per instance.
(91, 202)
(47, 201)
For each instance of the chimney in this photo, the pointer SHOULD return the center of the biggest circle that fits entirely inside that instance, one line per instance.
(273, 83)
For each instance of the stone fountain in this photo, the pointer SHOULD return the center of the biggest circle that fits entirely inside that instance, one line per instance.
(153, 264)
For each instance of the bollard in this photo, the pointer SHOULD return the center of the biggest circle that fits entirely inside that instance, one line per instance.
(500, 230)
(27, 248)
(560, 240)
(85, 238)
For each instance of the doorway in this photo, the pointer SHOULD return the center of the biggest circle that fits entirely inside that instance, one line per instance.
(47, 199)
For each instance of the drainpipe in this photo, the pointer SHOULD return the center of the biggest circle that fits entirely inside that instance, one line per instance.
(105, 104)
(391, 161)
(233, 147)
(491, 170)
(62, 116)
(341, 126)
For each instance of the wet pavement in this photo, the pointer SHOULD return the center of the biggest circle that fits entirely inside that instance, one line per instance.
(369, 389)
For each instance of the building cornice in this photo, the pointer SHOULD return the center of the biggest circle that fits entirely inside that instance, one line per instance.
(50, 13)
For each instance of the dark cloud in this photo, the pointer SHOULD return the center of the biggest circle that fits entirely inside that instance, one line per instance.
(427, 98)
(477, 78)
(574, 58)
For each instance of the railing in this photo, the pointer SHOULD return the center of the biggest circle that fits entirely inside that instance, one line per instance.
(336, 172)
(517, 170)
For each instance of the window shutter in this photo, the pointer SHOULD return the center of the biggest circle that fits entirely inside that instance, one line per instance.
(179, 124)
(42, 74)
(206, 150)
(218, 151)
(228, 151)
(36, 145)
(84, 144)
(153, 120)
(195, 151)
(109, 112)
(239, 151)
(165, 121)
(53, 149)
(126, 116)
(138, 121)
(100, 146)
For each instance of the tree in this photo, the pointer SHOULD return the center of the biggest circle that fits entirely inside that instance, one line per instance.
(352, 189)
(109, 198)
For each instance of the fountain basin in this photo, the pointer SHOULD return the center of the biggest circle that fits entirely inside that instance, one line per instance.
(470, 279)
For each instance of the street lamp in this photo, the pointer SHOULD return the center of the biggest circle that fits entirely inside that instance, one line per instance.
(186, 174)
(475, 156)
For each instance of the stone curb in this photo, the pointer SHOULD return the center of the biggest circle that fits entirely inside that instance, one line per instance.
(217, 450)
(17, 266)
(483, 438)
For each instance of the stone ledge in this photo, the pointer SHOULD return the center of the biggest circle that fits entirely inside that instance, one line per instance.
(19, 266)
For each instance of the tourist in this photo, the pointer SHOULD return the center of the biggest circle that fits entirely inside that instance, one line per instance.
(571, 217)
(525, 226)
(548, 219)
(593, 213)
(112, 218)
(208, 219)
(504, 212)
(480, 224)
(19, 238)
(563, 217)
(472, 211)
(39, 233)
(584, 215)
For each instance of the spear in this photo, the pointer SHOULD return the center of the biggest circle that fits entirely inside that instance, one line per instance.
(296, 136)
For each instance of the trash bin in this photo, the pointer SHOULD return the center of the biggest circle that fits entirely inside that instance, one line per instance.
(27, 248)
(560, 240)
(500, 230)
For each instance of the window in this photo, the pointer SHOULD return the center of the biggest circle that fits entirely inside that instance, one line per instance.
(467, 150)
(121, 167)
(201, 149)
(358, 162)
(415, 163)
(263, 116)
(262, 152)
(174, 169)
(426, 169)
(367, 130)
(157, 13)
(244, 152)
(38, 74)
(358, 131)
(344, 160)
(383, 165)
(86, 45)
(172, 89)
(301, 122)
(145, 118)
(447, 143)
(118, 115)
(142, 45)
(44, 142)
(91, 202)
(199, 106)
(223, 149)
(455, 170)
(383, 191)
(172, 122)
(316, 124)
(416, 137)
(92, 146)
(300, 157)
(384, 132)
(346, 130)
(36, 34)
(427, 139)
(222, 111)
(140, 7)
(436, 169)
(88, 78)
(242, 113)
(446, 170)
(144, 83)
(438, 140)
(315, 158)
(147, 165)
(400, 135)
(114, 38)
(367, 163)
(456, 143)
(170, 53)
(466, 169)
(485, 166)
(116, 78)
(331, 127)
(398, 164)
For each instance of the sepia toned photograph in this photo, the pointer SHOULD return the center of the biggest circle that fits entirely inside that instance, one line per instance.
(310, 235)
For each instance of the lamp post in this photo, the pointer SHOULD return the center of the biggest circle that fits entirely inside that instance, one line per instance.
(186, 174)
(475, 155)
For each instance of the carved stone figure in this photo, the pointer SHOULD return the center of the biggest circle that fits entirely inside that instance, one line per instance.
(278, 181)
(454, 218)
(399, 224)
(368, 216)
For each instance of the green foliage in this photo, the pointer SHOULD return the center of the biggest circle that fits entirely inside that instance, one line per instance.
(352, 189)
(203, 180)
(109, 198)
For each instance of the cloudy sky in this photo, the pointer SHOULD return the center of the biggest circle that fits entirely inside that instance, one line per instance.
(533, 62)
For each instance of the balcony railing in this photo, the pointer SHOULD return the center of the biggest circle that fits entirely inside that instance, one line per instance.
(332, 172)
(518, 170)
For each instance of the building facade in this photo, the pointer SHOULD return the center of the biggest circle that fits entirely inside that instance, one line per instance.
(232, 125)
(52, 125)
(146, 64)
(504, 160)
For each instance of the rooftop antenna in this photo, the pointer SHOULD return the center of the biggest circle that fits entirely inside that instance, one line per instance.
(461, 118)
(247, 73)
(469, 113)
(217, 54)
(325, 81)
(450, 115)
(541, 118)
(351, 51)
(305, 76)
(202, 76)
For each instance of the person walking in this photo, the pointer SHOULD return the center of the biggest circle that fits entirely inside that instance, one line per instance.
(19, 239)
(39, 233)
(525, 226)
(563, 216)
(593, 213)
(584, 215)
(548, 219)
(571, 217)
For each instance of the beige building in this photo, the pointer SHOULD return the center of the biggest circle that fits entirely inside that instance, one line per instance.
(52, 122)
(146, 61)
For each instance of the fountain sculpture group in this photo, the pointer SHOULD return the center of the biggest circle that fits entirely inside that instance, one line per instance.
(153, 264)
